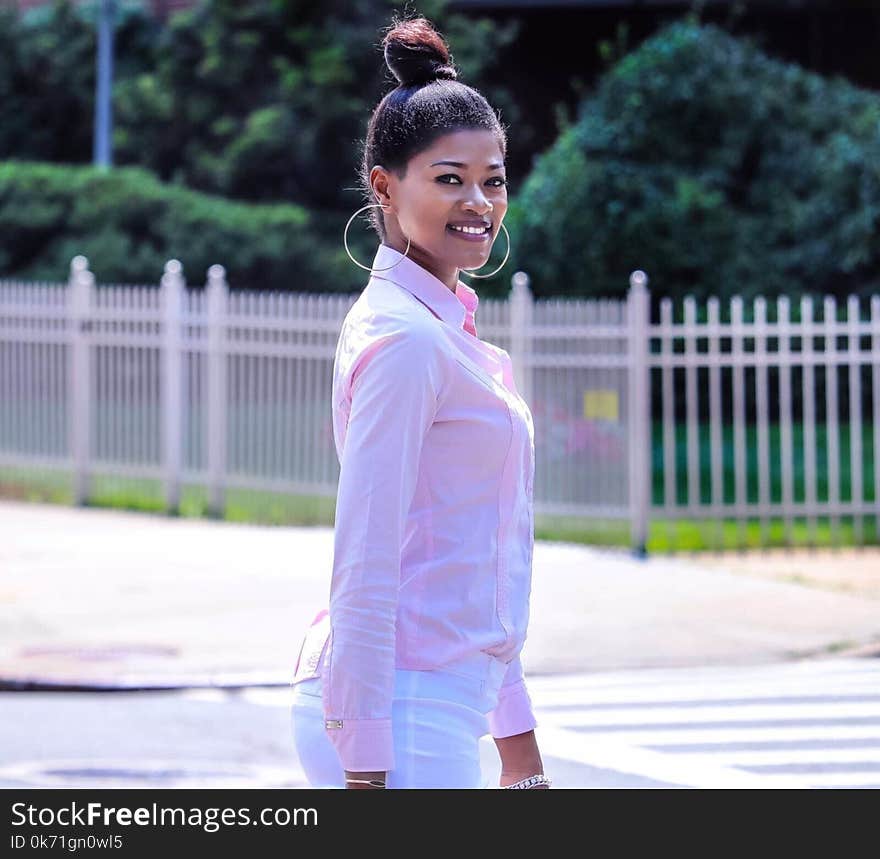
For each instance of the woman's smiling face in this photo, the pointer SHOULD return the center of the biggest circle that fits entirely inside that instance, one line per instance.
(459, 180)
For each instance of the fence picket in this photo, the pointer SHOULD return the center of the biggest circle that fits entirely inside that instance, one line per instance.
(762, 411)
(786, 415)
(809, 415)
(854, 371)
(667, 401)
(716, 449)
(831, 416)
(692, 405)
(739, 418)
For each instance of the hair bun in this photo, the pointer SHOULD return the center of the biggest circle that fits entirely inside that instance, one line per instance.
(416, 53)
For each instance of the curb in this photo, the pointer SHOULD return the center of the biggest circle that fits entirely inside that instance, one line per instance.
(863, 651)
(270, 680)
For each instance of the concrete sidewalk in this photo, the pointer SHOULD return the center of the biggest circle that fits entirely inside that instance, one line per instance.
(93, 598)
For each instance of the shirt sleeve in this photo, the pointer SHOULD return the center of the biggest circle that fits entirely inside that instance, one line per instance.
(513, 714)
(395, 392)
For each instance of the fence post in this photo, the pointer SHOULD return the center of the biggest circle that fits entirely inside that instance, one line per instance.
(638, 319)
(80, 289)
(217, 292)
(521, 307)
(171, 382)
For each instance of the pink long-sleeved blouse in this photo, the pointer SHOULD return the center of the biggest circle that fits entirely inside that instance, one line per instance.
(434, 525)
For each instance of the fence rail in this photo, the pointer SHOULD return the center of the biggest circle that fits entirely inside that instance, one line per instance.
(712, 413)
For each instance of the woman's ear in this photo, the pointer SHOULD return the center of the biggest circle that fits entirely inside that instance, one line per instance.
(379, 183)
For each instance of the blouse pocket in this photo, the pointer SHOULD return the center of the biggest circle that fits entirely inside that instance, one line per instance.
(481, 375)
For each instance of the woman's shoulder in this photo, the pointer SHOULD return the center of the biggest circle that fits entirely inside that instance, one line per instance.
(380, 319)
(384, 310)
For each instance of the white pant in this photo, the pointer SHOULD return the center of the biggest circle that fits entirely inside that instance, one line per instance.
(437, 720)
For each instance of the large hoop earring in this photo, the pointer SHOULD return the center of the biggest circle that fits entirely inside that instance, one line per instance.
(469, 274)
(345, 240)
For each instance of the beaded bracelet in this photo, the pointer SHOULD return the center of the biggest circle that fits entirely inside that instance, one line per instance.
(374, 782)
(531, 781)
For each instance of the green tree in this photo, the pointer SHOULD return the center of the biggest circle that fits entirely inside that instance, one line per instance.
(46, 86)
(713, 167)
(264, 100)
(47, 76)
(267, 99)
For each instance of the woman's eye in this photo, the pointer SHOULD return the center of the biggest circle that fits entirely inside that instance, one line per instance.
(497, 181)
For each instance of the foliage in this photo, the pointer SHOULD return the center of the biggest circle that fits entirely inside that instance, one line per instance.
(47, 77)
(260, 101)
(129, 224)
(713, 167)
(263, 100)
(267, 99)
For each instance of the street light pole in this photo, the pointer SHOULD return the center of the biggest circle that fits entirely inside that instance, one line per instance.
(102, 151)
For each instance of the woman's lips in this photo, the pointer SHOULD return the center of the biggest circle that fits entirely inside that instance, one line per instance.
(470, 237)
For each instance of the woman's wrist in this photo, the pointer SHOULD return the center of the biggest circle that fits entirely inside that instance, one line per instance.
(520, 756)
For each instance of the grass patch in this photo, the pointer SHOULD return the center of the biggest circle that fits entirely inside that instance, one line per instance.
(275, 508)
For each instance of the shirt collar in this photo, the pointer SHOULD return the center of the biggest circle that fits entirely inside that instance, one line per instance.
(452, 308)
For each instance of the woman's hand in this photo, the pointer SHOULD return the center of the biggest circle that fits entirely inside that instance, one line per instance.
(520, 759)
(367, 776)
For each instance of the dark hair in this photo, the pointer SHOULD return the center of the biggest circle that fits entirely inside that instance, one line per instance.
(428, 102)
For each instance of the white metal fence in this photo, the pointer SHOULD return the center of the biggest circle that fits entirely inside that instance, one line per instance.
(721, 415)
(791, 401)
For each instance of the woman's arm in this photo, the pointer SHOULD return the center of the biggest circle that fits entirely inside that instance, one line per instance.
(393, 400)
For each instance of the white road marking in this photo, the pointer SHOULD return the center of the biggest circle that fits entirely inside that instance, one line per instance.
(776, 757)
(696, 716)
(747, 734)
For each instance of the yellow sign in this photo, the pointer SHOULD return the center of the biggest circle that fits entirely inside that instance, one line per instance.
(601, 405)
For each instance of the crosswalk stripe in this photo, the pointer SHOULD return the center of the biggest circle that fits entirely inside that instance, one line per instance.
(809, 671)
(814, 757)
(756, 675)
(697, 716)
(672, 695)
(658, 737)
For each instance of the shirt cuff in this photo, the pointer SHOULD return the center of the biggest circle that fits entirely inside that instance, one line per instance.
(513, 713)
(362, 745)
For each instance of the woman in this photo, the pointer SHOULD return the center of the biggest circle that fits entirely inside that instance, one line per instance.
(419, 653)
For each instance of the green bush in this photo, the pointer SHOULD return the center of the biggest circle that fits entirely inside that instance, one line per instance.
(714, 168)
(129, 224)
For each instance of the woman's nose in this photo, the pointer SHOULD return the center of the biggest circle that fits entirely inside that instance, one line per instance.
(478, 202)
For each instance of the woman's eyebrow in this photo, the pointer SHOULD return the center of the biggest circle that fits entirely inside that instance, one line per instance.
(464, 166)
